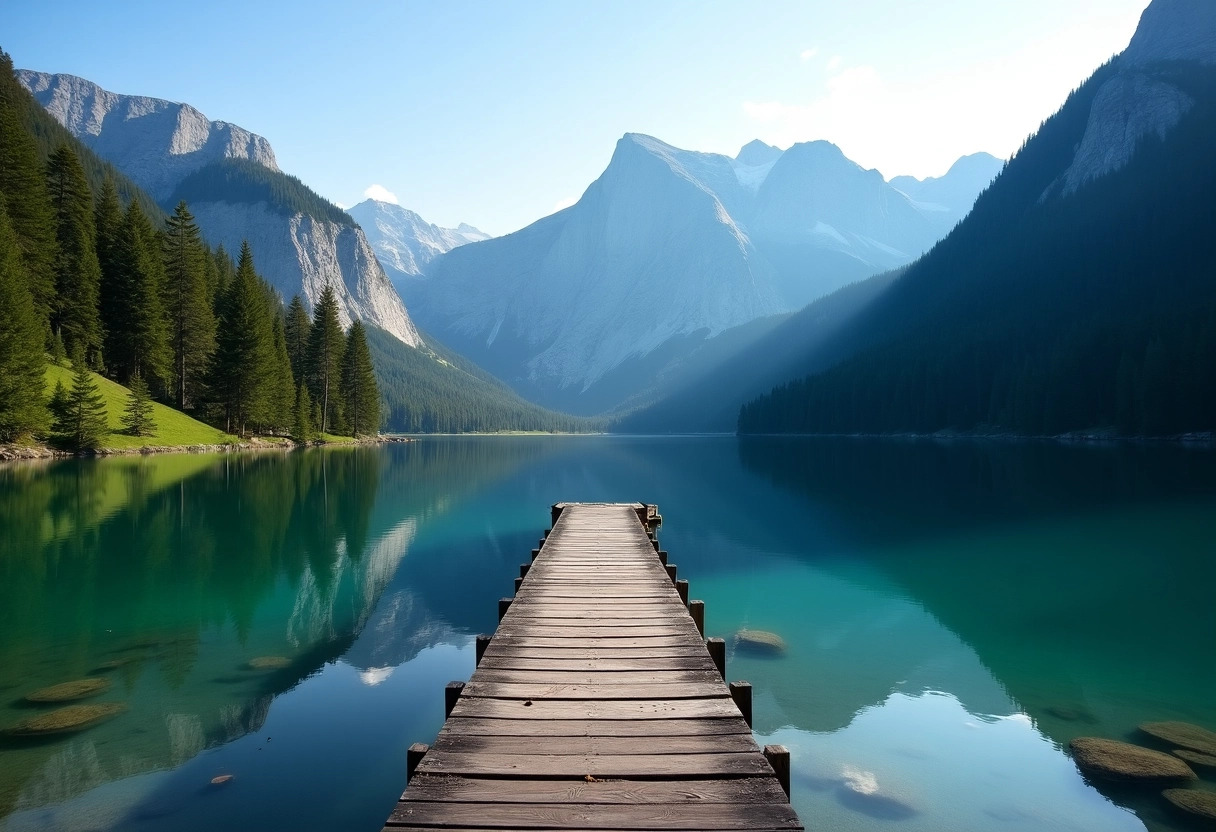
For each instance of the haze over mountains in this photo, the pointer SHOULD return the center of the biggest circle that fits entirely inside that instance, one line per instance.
(230, 177)
(583, 309)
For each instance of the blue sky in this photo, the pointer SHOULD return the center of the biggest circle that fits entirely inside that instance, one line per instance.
(497, 113)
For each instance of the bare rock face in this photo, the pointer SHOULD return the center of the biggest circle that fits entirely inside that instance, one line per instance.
(155, 142)
(301, 254)
(1174, 30)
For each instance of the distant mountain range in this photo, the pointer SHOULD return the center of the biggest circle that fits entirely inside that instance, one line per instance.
(1077, 296)
(405, 243)
(236, 191)
(586, 309)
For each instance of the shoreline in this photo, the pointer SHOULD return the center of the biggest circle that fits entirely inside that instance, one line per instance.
(30, 453)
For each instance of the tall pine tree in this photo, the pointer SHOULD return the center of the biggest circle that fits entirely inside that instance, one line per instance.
(243, 369)
(297, 328)
(84, 421)
(360, 395)
(115, 284)
(325, 347)
(141, 331)
(188, 303)
(23, 189)
(75, 315)
(282, 385)
(22, 362)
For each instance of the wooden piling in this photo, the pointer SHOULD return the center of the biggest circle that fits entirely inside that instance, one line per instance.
(778, 757)
(483, 641)
(413, 756)
(450, 695)
(741, 692)
(697, 610)
(717, 652)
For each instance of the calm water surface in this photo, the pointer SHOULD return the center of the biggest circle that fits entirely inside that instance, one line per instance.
(954, 614)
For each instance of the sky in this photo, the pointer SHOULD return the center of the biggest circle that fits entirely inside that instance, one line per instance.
(497, 113)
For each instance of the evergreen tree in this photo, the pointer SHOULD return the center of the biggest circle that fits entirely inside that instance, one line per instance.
(191, 316)
(282, 385)
(23, 191)
(297, 329)
(74, 315)
(244, 360)
(59, 403)
(22, 361)
(225, 271)
(302, 430)
(325, 346)
(115, 283)
(137, 416)
(85, 421)
(141, 334)
(360, 395)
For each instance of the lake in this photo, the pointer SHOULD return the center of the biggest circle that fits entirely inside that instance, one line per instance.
(954, 613)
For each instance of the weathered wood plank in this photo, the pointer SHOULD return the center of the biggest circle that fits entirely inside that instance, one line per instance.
(640, 661)
(598, 676)
(565, 766)
(541, 709)
(745, 790)
(593, 816)
(657, 690)
(567, 746)
(719, 726)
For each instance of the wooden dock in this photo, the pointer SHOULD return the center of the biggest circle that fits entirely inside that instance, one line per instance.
(598, 704)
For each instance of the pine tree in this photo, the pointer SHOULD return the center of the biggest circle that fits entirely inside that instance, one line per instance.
(244, 358)
(325, 345)
(59, 403)
(85, 421)
(22, 361)
(137, 416)
(115, 283)
(302, 430)
(74, 315)
(360, 395)
(297, 328)
(283, 385)
(23, 191)
(191, 316)
(225, 270)
(140, 334)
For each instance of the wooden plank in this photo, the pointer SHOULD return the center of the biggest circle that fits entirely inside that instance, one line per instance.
(540, 731)
(574, 652)
(745, 790)
(598, 676)
(564, 766)
(607, 709)
(658, 690)
(593, 816)
(623, 640)
(567, 746)
(635, 660)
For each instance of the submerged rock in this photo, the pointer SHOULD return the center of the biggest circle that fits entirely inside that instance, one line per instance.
(268, 663)
(63, 720)
(1193, 802)
(1116, 760)
(760, 642)
(1195, 758)
(222, 779)
(68, 691)
(1182, 734)
(1070, 713)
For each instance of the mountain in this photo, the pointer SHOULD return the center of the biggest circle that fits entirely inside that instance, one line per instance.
(954, 193)
(236, 191)
(1077, 294)
(586, 308)
(405, 243)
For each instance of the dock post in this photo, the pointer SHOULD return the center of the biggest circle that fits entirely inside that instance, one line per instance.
(413, 756)
(450, 694)
(535, 554)
(717, 652)
(682, 588)
(778, 757)
(503, 605)
(483, 641)
(546, 535)
(671, 572)
(655, 541)
(518, 583)
(540, 542)
(523, 569)
(741, 692)
(663, 557)
(697, 610)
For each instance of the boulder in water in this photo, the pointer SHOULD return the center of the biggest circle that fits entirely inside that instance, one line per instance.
(64, 720)
(68, 691)
(1183, 735)
(221, 779)
(759, 642)
(1193, 802)
(268, 663)
(1116, 760)
(1196, 758)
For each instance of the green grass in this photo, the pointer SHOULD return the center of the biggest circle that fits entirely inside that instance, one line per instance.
(173, 428)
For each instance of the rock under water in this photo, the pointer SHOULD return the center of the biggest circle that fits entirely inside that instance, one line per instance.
(1116, 760)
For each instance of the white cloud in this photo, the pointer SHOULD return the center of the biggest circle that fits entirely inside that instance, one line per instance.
(807, 54)
(834, 63)
(380, 194)
(564, 203)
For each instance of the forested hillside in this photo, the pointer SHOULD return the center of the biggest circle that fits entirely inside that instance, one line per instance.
(1045, 312)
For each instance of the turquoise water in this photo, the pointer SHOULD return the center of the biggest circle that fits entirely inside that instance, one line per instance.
(954, 614)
